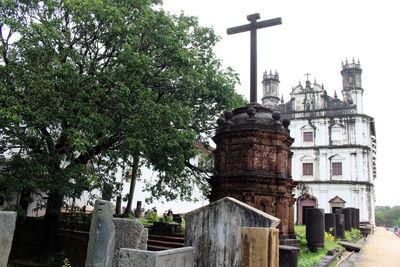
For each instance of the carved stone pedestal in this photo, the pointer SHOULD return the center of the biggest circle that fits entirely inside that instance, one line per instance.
(253, 163)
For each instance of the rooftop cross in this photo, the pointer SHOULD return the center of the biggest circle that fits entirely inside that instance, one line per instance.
(252, 27)
(307, 74)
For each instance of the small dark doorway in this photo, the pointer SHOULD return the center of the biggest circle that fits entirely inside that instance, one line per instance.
(336, 209)
(304, 202)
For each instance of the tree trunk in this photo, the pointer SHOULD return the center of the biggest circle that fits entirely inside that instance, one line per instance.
(135, 167)
(48, 236)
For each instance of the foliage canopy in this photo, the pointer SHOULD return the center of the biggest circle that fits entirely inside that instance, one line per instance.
(86, 83)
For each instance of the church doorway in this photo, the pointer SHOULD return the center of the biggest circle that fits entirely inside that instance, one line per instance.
(305, 202)
(337, 203)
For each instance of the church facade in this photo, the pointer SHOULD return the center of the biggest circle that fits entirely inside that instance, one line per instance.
(335, 144)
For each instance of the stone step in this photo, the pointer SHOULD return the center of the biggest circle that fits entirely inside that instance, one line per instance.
(173, 238)
(351, 246)
(156, 248)
(165, 243)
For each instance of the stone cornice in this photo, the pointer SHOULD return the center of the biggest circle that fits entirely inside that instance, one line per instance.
(330, 147)
(335, 182)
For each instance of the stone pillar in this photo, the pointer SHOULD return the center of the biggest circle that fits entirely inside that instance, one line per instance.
(315, 228)
(7, 227)
(253, 161)
(260, 247)
(339, 221)
(138, 210)
(330, 223)
(288, 256)
(347, 219)
(357, 218)
(102, 236)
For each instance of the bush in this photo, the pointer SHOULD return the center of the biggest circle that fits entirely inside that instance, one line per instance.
(152, 216)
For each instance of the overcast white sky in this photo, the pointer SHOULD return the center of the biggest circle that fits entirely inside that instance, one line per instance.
(315, 37)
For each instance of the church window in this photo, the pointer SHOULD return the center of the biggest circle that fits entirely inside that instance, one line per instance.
(336, 168)
(307, 169)
(308, 136)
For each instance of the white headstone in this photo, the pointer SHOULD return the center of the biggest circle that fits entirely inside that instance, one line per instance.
(102, 236)
(7, 227)
(215, 231)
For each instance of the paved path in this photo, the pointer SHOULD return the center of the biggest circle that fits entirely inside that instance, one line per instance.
(382, 249)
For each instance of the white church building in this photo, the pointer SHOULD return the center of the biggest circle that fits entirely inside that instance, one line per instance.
(335, 145)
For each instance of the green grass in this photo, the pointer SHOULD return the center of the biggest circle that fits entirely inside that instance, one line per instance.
(308, 258)
(144, 222)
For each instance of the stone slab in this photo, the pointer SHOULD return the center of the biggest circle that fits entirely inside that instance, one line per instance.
(215, 230)
(7, 227)
(102, 235)
(260, 247)
(351, 246)
(127, 233)
(178, 257)
(288, 256)
(143, 239)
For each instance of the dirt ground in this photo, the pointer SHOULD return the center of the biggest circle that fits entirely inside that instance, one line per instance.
(382, 249)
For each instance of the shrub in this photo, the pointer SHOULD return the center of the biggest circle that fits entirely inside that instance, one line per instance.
(152, 217)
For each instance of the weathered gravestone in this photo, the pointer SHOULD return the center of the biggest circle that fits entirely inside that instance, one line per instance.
(215, 231)
(339, 225)
(348, 222)
(178, 257)
(7, 227)
(358, 218)
(129, 233)
(138, 210)
(353, 218)
(315, 228)
(102, 235)
(330, 223)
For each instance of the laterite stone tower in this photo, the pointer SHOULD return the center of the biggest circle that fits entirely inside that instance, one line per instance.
(253, 163)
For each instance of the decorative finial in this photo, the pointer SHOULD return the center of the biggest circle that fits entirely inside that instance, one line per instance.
(358, 61)
(315, 80)
(276, 73)
(282, 99)
(353, 60)
(322, 85)
(276, 115)
(346, 61)
(270, 71)
(335, 95)
(220, 121)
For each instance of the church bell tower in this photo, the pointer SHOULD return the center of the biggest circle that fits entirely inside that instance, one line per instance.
(270, 90)
(352, 89)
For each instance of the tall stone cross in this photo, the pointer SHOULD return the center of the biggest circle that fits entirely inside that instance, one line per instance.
(252, 27)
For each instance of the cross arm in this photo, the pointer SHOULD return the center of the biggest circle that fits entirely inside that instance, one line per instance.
(257, 25)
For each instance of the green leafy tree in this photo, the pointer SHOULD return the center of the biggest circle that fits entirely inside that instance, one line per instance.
(389, 216)
(90, 83)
